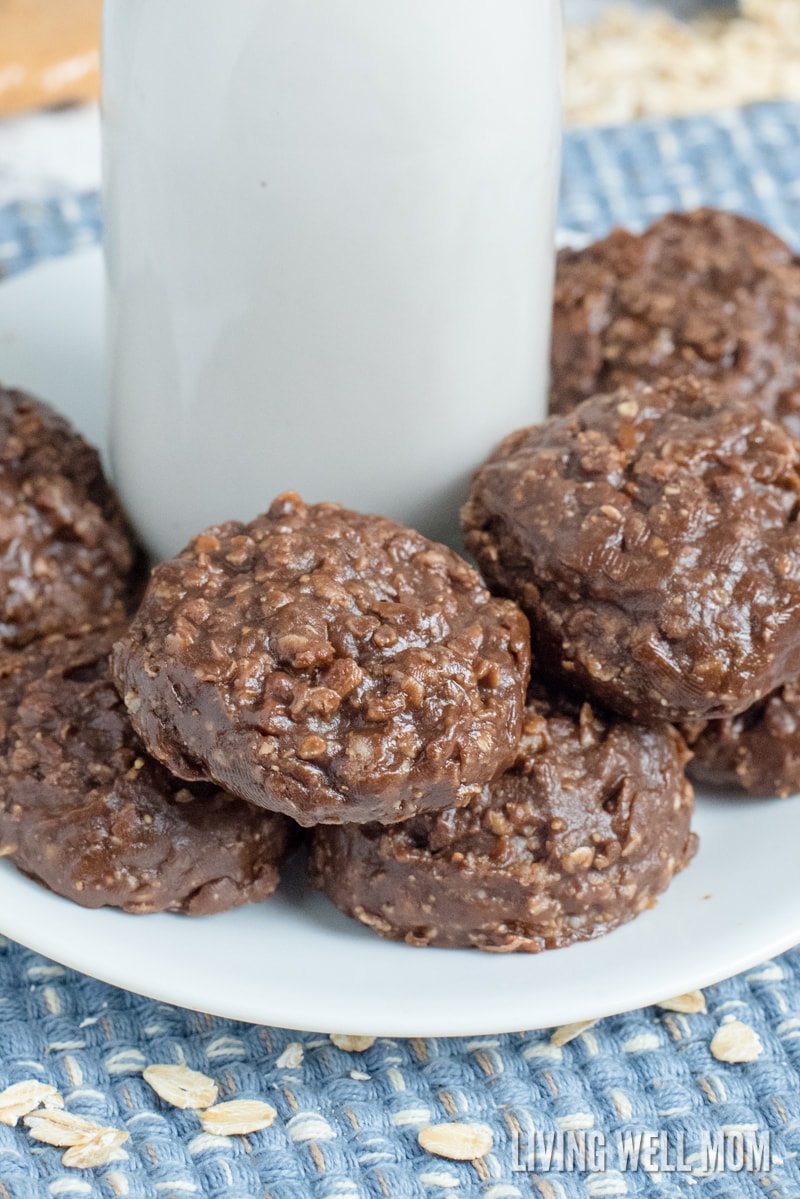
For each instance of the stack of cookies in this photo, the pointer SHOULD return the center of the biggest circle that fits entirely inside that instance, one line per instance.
(649, 532)
(714, 298)
(362, 680)
(84, 809)
(495, 761)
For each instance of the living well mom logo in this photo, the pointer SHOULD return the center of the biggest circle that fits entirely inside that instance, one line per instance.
(734, 1150)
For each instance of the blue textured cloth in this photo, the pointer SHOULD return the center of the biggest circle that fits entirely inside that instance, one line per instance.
(347, 1122)
(33, 230)
(747, 161)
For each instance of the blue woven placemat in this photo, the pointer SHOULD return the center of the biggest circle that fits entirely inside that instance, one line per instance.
(347, 1122)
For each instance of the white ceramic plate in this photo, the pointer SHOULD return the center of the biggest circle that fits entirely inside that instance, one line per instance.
(298, 963)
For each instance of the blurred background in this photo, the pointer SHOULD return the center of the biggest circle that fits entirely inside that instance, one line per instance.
(624, 61)
(49, 65)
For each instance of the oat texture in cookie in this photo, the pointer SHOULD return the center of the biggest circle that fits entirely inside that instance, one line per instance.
(757, 751)
(332, 666)
(581, 835)
(68, 561)
(704, 293)
(651, 536)
(87, 812)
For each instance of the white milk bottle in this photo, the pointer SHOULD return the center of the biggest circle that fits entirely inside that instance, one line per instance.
(329, 249)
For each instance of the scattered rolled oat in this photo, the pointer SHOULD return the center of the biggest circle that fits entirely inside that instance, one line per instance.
(236, 1117)
(24, 1097)
(181, 1086)
(97, 1152)
(568, 1032)
(352, 1044)
(736, 1042)
(631, 64)
(53, 1126)
(292, 1057)
(458, 1142)
(87, 1143)
(691, 1002)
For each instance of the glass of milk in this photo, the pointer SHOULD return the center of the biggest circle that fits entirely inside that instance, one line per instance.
(329, 244)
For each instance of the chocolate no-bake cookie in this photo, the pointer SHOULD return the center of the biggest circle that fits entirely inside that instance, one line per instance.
(589, 826)
(759, 750)
(325, 664)
(704, 293)
(652, 538)
(67, 557)
(88, 813)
